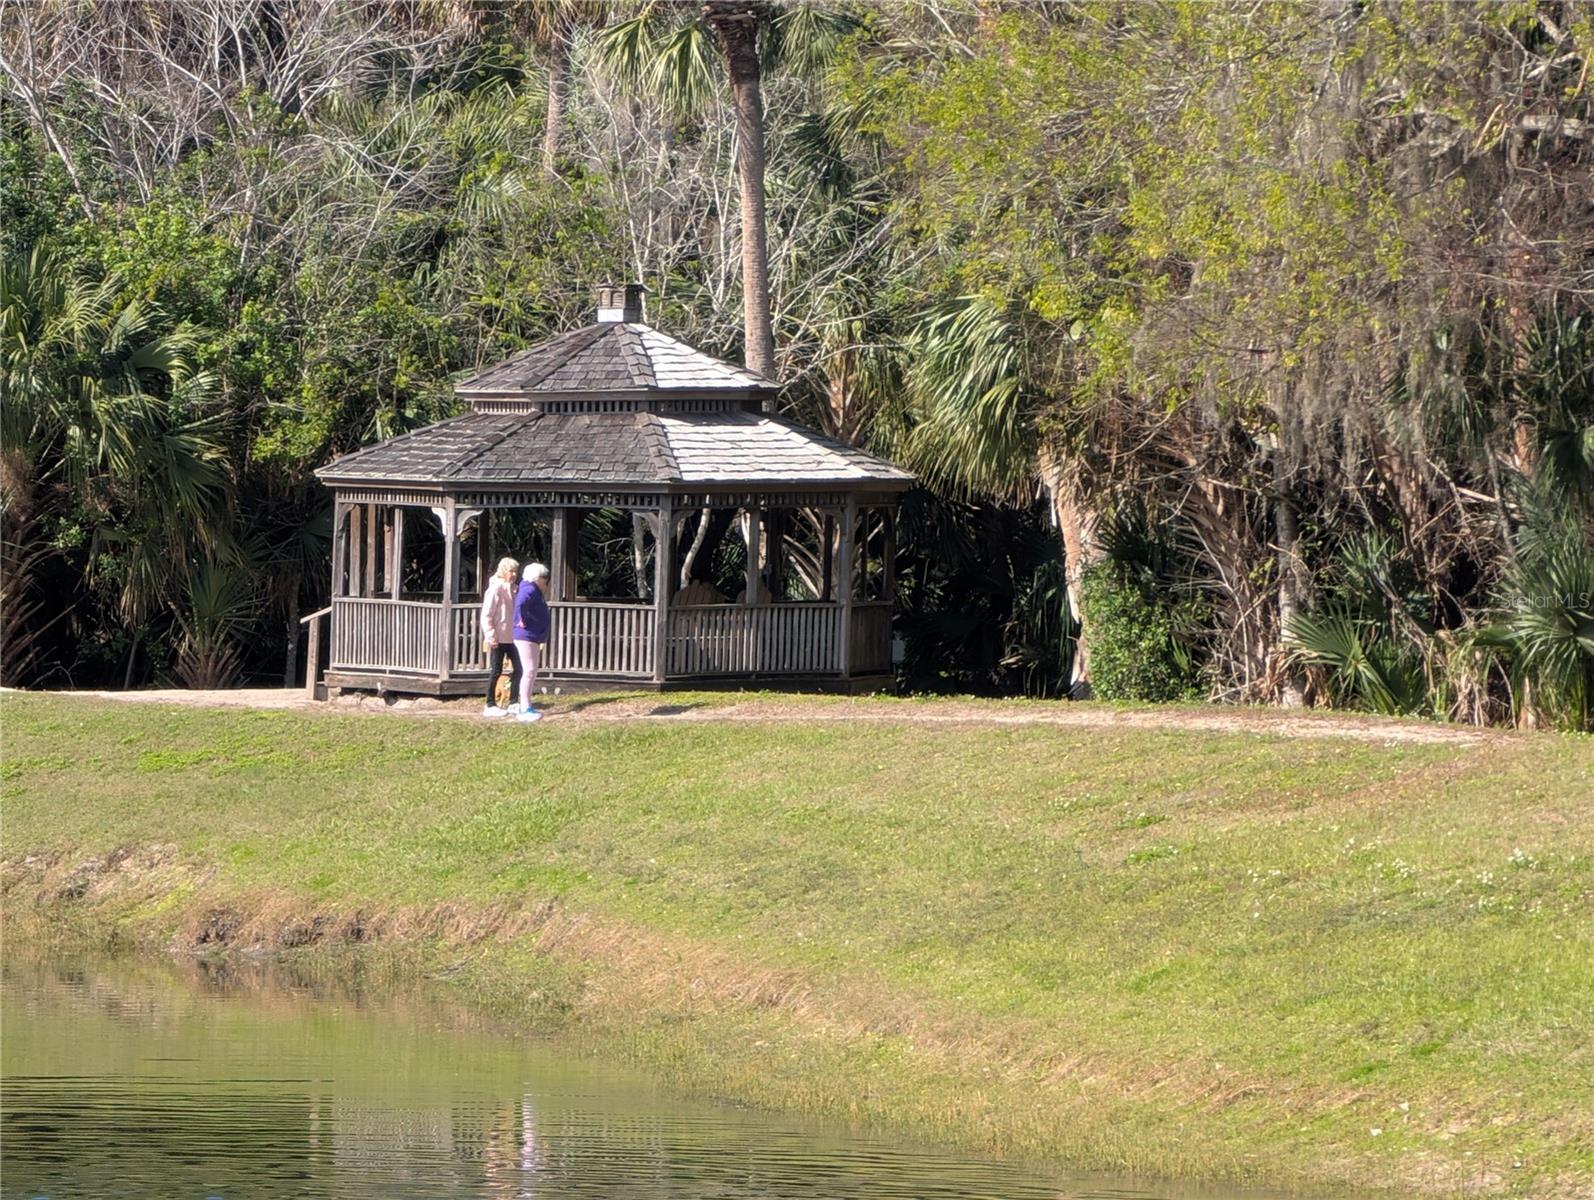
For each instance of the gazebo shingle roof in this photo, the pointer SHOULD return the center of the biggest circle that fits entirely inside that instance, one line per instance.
(631, 448)
(611, 356)
(616, 403)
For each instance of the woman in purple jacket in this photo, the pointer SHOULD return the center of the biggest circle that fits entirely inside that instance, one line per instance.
(531, 633)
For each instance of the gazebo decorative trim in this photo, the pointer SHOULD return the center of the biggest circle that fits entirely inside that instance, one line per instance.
(618, 416)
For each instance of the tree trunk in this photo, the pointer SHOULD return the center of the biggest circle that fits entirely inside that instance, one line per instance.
(1521, 265)
(1287, 534)
(735, 27)
(689, 559)
(132, 656)
(558, 83)
(1235, 549)
(290, 656)
(639, 529)
(1076, 522)
(1293, 582)
(1081, 551)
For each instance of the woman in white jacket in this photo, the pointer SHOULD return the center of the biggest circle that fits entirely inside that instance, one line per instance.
(498, 633)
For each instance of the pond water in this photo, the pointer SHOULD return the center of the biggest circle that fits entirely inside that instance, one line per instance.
(189, 1081)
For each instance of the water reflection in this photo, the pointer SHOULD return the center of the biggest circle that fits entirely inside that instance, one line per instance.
(195, 1081)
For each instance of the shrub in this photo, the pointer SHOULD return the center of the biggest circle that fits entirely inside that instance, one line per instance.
(1138, 648)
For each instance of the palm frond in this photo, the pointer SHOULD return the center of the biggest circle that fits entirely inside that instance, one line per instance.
(969, 409)
(684, 69)
(1363, 667)
(216, 614)
(1547, 627)
(806, 37)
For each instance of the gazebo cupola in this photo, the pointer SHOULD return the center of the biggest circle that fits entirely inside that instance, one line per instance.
(693, 537)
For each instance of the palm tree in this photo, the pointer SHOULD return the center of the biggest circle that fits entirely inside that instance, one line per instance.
(673, 59)
(106, 424)
(1545, 629)
(218, 612)
(551, 26)
(1548, 633)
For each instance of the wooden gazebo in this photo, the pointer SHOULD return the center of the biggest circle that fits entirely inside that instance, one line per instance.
(694, 538)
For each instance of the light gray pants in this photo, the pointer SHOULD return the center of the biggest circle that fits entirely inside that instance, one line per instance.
(530, 653)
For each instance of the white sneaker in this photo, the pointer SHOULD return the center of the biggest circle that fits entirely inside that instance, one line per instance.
(531, 714)
(492, 710)
(514, 708)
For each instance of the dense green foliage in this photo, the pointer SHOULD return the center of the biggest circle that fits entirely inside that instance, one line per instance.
(1300, 282)
(1138, 647)
(1306, 283)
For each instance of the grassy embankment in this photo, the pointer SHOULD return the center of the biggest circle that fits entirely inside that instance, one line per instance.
(1188, 953)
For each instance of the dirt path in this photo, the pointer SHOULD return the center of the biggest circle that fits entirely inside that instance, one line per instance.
(580, 709)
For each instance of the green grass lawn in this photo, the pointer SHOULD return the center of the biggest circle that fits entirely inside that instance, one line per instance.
(1231, 955)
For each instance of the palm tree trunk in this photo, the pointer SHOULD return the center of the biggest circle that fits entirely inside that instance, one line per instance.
(1076, 522)
(735, 26)
(1080, 552)
(558, 84)
(840, 417)
(1292, 577)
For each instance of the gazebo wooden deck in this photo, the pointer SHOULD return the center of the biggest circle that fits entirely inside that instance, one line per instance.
(693, 538)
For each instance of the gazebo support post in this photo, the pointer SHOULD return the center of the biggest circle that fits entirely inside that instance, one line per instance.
(385, 550)
(663, 553)
(750, 589)
(889, 566)
(396, 569)
(445, 623)
(356, 542)
(356, 548)
(754, 538)
(484, 524)
(457, 575)
(827, 586)
(558, 554)
(371, 533)
(845, 581)
(340, 549)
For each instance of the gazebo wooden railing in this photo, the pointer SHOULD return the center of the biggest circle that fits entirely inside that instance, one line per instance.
(619, 641)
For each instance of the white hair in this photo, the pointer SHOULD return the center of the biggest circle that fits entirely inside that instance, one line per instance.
(534, 571)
